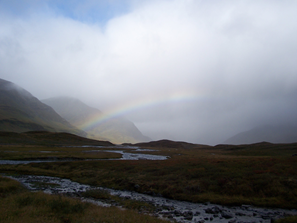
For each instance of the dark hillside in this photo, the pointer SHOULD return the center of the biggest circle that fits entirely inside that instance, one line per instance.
(47, 138)
(20, 111)
(164, 143)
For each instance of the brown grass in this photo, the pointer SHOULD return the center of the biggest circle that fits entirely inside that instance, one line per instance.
(19, 205)
(43, 152)
(228, 175)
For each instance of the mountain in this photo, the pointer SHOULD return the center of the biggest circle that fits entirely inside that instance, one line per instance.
(116, 130)
(268, 133)
(20, 111)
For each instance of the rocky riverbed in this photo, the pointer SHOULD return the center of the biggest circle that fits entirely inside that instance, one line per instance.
(173, 210)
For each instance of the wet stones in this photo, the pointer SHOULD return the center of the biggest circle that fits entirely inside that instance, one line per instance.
(213, 210)
(227, 215)
(265, 217)
(245, 207)
(188, 215)
(176, 211)
(151, 193)
(166, 214)
(197, 213)
(240, 214)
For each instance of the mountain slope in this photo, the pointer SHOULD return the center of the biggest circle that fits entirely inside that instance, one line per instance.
(48, 138)
(20, 111)
(116, 130)
(273, 134)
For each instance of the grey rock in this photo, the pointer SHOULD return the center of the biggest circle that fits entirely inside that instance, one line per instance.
(177, 213)
(213, 210)
(266, 217)
(245, 207)
(189, 217)
(226, 215)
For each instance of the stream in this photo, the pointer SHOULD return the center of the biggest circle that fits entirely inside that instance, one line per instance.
(125, 156)
(178, 211)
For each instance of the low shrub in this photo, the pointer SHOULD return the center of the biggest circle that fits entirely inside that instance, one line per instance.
(291, 219)
(66, 206)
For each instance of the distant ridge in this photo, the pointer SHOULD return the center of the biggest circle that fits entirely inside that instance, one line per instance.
(165, 143)
(116, 130)
(268, 133)
(20, 111)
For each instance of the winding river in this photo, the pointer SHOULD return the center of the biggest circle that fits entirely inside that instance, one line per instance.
(179, 211)
(125, 156)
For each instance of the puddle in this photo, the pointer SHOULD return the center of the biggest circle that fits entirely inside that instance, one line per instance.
(178, 211)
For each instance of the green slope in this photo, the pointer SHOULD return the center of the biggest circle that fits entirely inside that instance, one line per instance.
(48, 138)
(20, 111)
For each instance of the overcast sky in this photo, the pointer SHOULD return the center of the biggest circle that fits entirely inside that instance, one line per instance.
(191, 70)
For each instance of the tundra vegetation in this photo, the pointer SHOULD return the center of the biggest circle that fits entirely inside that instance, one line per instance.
(19, 205)
(260, 174)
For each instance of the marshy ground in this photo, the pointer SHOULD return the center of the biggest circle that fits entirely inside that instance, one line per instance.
(260, 174)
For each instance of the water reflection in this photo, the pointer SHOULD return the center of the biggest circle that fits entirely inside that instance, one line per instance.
(125, 156)
(134, 156)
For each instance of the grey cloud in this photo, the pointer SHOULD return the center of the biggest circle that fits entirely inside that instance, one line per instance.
(238, 57)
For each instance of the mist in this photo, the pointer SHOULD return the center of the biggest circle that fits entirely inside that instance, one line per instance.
(207, 69)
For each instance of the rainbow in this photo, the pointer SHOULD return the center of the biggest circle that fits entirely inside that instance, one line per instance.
(121, 110)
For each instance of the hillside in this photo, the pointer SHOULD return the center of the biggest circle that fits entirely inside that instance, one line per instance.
(268, 133)
(48, 138)
(116, 130)
(20, 111)
(164, 143)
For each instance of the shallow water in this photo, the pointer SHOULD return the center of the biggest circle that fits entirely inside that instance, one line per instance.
(137, 156)
(17, 162)
(125, 156)
(174, 210)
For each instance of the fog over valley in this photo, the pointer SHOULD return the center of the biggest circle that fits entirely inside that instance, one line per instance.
(206, 72)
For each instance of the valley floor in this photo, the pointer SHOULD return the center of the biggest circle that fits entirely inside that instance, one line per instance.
(260, 174)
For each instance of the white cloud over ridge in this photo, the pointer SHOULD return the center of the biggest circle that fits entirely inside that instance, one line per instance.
(237, 57)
